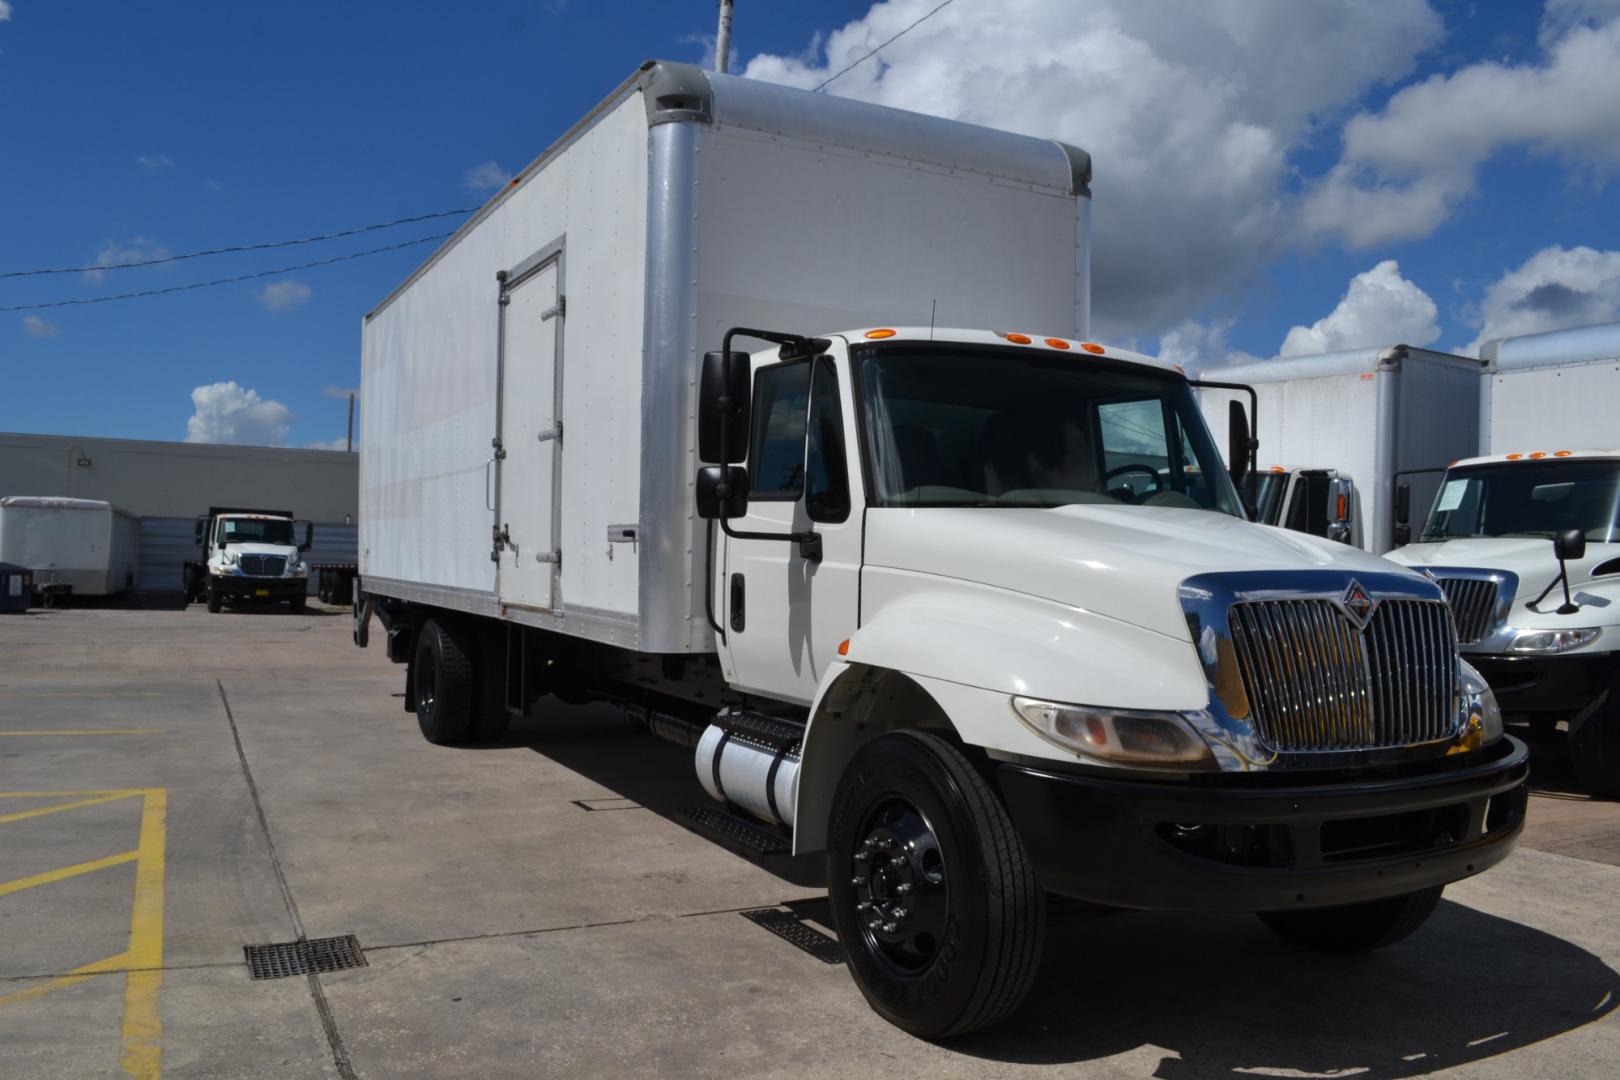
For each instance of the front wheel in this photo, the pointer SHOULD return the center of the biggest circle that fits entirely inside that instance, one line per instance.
(296, 602)
(214, 599)
(935, 900)
(1354, 928)
(1594, 747)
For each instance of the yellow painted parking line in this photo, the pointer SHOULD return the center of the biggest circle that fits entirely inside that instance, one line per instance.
(142, 961)
(57, 808)
(65, 872)
(89, 731)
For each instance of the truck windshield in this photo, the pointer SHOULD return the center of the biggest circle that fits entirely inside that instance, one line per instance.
(1012, 427)
(1528, 498)
(256, 531)
(1268, 489)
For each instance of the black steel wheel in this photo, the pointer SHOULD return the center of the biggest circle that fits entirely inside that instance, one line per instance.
(1354, 928)
(444, 685)
(934, 898)
(1594, 745)
(297, 603)
(214, 599)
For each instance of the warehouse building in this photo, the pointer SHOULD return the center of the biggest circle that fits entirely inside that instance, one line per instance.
(167, 484)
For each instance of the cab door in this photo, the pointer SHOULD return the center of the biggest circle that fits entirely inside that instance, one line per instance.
(785, 606)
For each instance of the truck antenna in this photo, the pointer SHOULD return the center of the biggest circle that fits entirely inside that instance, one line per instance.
(722, 39)
(933, 307)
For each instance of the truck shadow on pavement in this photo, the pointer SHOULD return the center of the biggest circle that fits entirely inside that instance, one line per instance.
(1214, 995)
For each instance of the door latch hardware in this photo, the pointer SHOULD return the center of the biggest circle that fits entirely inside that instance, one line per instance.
(559, 308)
(551, 433)
(548, 557)
(500, 451)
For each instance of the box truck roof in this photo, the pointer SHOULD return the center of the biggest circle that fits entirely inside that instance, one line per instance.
(1583, 344)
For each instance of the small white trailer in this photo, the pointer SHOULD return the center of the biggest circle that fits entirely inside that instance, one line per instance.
(1379, 425)
(974, 612)
(75, 547)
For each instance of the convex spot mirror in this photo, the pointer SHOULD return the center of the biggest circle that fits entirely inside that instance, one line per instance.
(1237, 443)
(712, 502)
(723, 398)
(309, 535)
(1570, 545)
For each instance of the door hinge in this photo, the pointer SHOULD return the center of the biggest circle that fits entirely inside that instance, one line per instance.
(502, 537)
(560, 308)
(500, 451)
(552, 433)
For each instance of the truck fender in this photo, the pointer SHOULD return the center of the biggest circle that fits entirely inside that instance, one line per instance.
(952, 658)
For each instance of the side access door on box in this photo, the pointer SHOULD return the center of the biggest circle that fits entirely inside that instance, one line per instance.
(528, 440)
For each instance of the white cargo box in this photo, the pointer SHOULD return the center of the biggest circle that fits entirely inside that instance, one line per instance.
(86, 544)
(1556, 390)
(536, 378)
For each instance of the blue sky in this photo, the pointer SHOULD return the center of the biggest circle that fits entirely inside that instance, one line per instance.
(1251, 164)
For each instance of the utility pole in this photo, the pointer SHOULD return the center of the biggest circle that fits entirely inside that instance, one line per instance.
(351, 423)
(722, 39)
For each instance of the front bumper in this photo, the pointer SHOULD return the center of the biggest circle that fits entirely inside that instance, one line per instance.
(1127, 843)
(1526, 685)
(240, 586)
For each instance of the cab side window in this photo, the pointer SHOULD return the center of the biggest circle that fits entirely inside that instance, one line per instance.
(776, 446)
(826, 495)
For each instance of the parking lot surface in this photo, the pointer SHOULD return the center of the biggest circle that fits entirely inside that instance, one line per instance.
(176, 786)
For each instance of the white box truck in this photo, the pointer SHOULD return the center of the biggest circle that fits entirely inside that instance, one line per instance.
(75, 547)
(973, 613)
(1350, 441)
(1525, 539)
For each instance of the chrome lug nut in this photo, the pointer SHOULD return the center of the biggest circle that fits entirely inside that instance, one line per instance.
(857, 881)
(899, 914)
(889, 928)
(903, 888)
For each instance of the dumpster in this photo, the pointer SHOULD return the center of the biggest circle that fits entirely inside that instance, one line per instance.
(16, 587)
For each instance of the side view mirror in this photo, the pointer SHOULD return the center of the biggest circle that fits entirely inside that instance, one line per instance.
(199, 531)
(309, 535)
(722, 492)
(1340, 492)
(1239, 444)
(723, 400)
(1570, 545)
(1403, 514)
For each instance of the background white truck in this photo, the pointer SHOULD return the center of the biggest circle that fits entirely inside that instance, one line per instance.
(972, 612)
(75, 547)
(1549, 482)
(1369, 429)
(249, 557)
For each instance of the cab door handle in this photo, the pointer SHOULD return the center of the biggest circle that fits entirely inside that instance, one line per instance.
(739, 617)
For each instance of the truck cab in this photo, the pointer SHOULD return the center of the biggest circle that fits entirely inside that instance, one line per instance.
(250, 556)
(1321, 502)
(1527, 548)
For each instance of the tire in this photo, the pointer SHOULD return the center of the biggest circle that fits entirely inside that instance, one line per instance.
(323, 587)
(912, 811)
(1594, 747)
(214, 599)
(297, 603)
(444, 685)
(1355, 928)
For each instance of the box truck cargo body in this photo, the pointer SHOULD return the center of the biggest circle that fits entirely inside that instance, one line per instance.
(83, 547)
(551, 409)
(1386, 419)
(1525, 538)
(901, 588)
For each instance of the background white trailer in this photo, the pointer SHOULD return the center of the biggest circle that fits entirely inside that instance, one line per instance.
(1383, 416)
(529, 393)
(87, 545)
(1559, 387)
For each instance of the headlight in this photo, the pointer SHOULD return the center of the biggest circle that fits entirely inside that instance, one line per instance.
(296, 569)
(1553, 641)
(1161, 740)
(1480, 701)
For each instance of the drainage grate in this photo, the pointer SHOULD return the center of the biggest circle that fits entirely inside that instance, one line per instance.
(301, 957)
(730, 827)
(801, 935)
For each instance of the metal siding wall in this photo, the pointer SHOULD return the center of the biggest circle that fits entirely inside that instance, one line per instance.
(166, 542)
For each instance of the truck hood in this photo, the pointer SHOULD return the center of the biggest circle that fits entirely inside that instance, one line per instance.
(1529, 557)
(286, 551)
(1125, 563)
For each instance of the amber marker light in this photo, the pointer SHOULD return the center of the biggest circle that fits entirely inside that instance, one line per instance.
(1018, 339)
(843, 647)
(879, 333)
(1092, 347)
(1561, 453)
(1057, 343)
(1514, 457)
(1538, 455)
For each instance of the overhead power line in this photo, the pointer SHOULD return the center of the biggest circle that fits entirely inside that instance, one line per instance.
(225, 281)
(238, 247)
(883, 46)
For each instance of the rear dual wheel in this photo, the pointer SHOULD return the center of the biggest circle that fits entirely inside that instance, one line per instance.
(935, 900)
(459, 684)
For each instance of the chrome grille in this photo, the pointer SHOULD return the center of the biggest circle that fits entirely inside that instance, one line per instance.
(264, 565)
(1473, 605)
(1314, 682)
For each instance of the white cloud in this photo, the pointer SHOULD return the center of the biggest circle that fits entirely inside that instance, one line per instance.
(1554, 289)
(1380, 308)
(122, 253)
(284, 295)
(155, 162)
(1405, 169)
(36, 327)
(224, 412)
(340, 393)
(486, 178)
(1200, 346)
(1191, 111)
(339, 443)
(5, 10)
